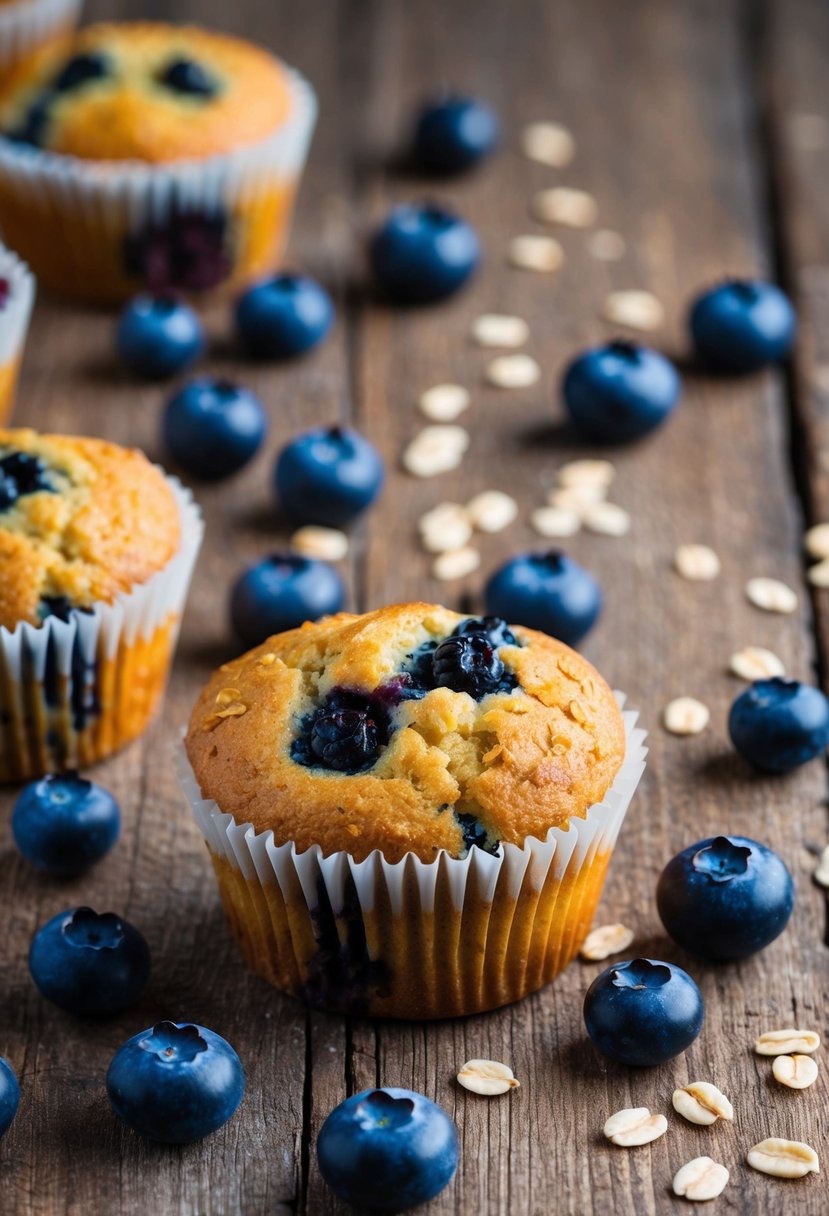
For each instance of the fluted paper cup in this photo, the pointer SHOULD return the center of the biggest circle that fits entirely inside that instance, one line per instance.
(14, 325)
(412, 939)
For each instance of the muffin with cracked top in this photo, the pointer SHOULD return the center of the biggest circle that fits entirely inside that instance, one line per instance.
(410, 812)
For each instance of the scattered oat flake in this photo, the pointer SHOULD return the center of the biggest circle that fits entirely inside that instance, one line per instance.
(607, 519)
(605, 940)
(533, 252)
(513, 371)
(771, 595)
(548, 143)
(555, 523)
(796, 1071)
(606, 245)
(755, 663)
(821, 874)
(499, 329)
(487, 1077)
(635, 309)
(629, 1128)
(697, 563)
(564, 205)
(788, 1041)
(818, 575)
(577, 497)
(685, 716)
(700, 1179)
(453, 533)
(444, 402)
(327, 544)
(816, 541)
(492, 511)
(586, 473)
(783, 1158)
(436, 449)
(456, 564)
(702, 1103)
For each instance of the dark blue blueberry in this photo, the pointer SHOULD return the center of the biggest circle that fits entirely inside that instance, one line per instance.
(282, 592)
(175, 1082)
(643, 1012)
(725, 897)
(283, 316)
(212, 428)
(64, 824)
(453, 134)
(387, 1149)
(493, 627)
(89, 964)
(345, 733)
(188, 251)
(31, 129)
(778, 724)
(79, 70)
(159, 336)
(475, 835)
(9, 1095)
(22, 474)
(328, 476)
(619, 392)
(423, 254)
(546, 591)
(742, 325)
(468, 664)
(187, 76)
(418, 676)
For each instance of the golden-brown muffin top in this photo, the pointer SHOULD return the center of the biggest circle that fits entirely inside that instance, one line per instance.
(80, 520)
(441, 769)
(146, 92)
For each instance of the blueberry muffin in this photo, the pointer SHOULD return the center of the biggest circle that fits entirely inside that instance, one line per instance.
(409, 812)
(17, 293)
(167, 156)
(96, 548)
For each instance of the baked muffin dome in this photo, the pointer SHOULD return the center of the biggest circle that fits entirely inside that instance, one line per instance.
(407, 729)
(80, 520)
(145, 91)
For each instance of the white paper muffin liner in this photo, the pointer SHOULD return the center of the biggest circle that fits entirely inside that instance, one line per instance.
(117, 200)
(36, 726)
(14, 318)
(516, 873)
(27, 24)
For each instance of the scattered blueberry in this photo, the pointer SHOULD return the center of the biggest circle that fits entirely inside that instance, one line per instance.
(283, 316)
(742, 325)
(619, 392)
(282, 592)
(21, 474)
(187, 76)
(63, 824)
(328, 476)
(423, 254)
(9, 1095)
(779, 724)
(387, 1149)
(345, 733)
(725, 897)
(159, 336)
(212, 428)
(81, 69)
(453, 134)
(546, 591)
(89, 964)
(469, 663)
(175, 1082)
(643, 1012)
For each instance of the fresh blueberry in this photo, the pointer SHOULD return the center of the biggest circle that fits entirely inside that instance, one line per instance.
(89, 964)
(187, 76)
(423, 254)
(9, 1095)
(283, 316)
(643, 1012)
(493, 627)
(453, 134)
(778, 724)
(742, 325)
(175, 1082)
(282, 592)
(387, 1149)
(345, 733)
(159, 336)
(619, 392)
(22, 474)
(79, 70)
(469, 663)
(725, 897)
(63, 824)
(328, 476)
(212, 428)
(546, 591)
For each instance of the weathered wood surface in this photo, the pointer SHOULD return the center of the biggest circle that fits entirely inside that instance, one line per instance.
(667, 105)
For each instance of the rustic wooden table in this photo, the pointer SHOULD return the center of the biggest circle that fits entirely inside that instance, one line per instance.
(702, 129)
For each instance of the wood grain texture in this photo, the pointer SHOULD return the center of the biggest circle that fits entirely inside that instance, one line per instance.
(664, 103)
